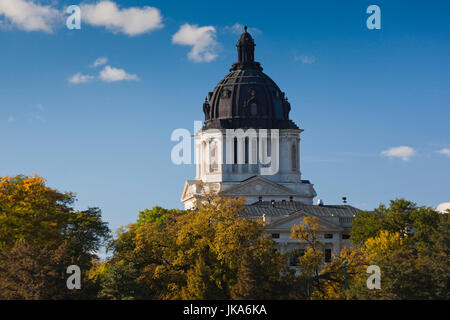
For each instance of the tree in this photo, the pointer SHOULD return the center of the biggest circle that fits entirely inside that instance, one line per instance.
(308, 233)
(403, 217)
(383, 245)
(406, 275)
(118, 281)
(31, 273)
(157, 215)
(333, 285)
(263, 274)
(365, 225)
(410, 269)
(311, 262)
(37, 225)
(198, 254)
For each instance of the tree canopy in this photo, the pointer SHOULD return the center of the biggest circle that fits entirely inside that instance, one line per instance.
(211, 252)
(41, 232)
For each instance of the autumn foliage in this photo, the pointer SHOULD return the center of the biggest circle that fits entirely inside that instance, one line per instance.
(211, 252)
(41, 234)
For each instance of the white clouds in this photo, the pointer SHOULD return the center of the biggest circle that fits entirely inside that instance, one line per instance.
(443, 207)
(202, 40)
(130, 21)
(99, 62)
(107, 74)
(11, 119)
(238, 28)
(305, 59)
(445, 151)
(402, 152)
(29, 15)
(110, 74)
(78, 78)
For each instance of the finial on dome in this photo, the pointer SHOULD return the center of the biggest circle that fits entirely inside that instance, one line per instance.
(246, 48)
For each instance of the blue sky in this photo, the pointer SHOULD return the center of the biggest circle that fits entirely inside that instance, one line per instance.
(356, 92)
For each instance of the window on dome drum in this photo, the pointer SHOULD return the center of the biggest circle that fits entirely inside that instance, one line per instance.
(275, 235)
(253, 152)
(345, 236)
(214, 167)
(294, 157)
(327, 255)
(204, 157)
(246, 153)
(253, 109)
(235, 151)
(328, 236)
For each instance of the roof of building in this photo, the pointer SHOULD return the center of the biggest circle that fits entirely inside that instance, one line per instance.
(282, 208)
(247, 97)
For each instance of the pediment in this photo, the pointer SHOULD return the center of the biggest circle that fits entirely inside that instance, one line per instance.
(297, 218)
(189, 189)
(258, 186)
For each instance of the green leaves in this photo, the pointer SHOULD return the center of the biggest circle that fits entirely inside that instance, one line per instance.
(402, 216)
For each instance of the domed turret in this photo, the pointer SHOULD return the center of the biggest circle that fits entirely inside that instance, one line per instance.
(247, 97)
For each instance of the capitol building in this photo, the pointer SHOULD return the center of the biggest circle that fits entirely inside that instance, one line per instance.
(249, 147)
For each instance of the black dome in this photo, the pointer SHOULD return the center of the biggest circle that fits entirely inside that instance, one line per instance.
(247, 97)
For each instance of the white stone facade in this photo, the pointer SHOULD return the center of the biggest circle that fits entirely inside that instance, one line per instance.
(226, 159)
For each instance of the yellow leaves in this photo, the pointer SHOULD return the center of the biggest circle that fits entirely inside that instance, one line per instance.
(31, 210)
(310, 261)
(383, 244)
(357, 262)
(98, 271)
(307, 230)
(197, 253)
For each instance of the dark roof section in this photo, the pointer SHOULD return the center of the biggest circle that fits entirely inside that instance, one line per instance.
(282, 208)
(247, 97)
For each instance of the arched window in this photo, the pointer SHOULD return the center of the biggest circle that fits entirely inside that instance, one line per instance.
(294, 157)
